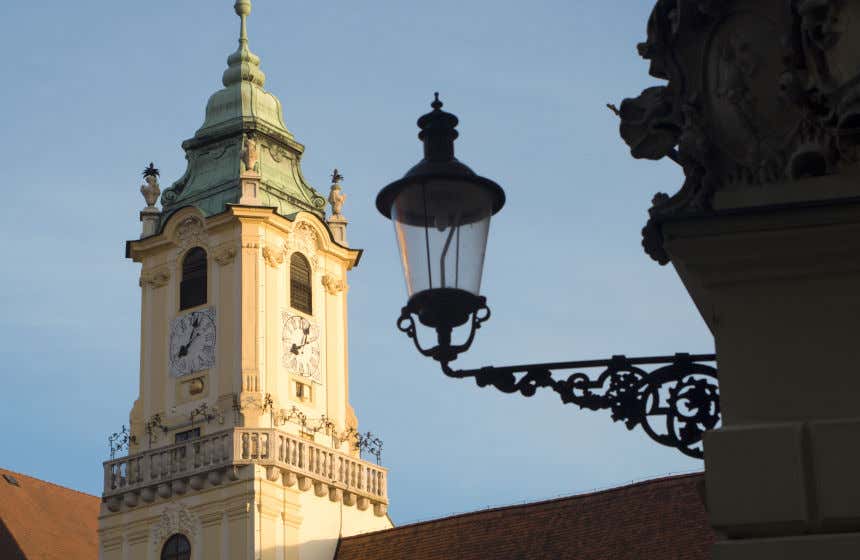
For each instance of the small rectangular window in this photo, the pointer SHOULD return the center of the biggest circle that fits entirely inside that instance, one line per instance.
(300, 283)
(187, 435)
(303, 392)
(192, 287)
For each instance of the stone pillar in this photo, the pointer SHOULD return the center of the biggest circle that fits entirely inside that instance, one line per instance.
(337, 224)
(150, 218)
(250, 184)
(762, 113)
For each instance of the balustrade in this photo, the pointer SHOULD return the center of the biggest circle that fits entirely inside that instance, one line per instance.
(321, 463)
(270, 447)
(166, 463)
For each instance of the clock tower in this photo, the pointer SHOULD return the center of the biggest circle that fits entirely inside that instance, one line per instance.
(243, 444)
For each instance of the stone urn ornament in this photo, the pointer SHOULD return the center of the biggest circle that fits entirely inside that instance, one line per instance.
(150, 189)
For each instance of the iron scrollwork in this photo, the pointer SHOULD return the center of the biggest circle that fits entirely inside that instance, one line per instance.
(674, 404)
(444, 351)
(119, 441)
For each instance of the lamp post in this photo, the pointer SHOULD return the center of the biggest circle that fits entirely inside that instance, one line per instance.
(441, 211)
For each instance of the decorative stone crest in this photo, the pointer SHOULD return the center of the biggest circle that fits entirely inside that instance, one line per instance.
(155, 278)
(225, 254)
(189, 231)
(334, 285)
(305, 240)
(758, 92)
(274, 256)
(174, 519)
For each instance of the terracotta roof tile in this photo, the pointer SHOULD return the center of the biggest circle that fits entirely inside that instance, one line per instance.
(662, 519)
(40, 520)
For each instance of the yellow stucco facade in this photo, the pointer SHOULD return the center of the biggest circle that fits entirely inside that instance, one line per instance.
(273, 472)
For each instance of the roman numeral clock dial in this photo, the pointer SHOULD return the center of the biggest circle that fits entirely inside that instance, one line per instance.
(301, 346)
(192, 342)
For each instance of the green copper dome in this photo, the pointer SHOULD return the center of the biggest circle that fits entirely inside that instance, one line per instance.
(240, 113)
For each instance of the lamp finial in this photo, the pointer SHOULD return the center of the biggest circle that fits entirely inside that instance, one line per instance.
(436, 103)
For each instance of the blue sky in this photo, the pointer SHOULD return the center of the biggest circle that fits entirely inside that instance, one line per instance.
(94, 90)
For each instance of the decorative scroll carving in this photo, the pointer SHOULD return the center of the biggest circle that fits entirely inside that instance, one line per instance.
(155, 278)
(174, 519)
(225, 254)
(757, 92)
(278, 153)
(274, 257)
(189, 231)
(305, 240)
(334, 285)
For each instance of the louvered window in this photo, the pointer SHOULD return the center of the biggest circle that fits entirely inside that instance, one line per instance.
(177, 547)
(300, 283)
(192, 288)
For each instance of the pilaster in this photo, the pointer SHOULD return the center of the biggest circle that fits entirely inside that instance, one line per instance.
(779, 291)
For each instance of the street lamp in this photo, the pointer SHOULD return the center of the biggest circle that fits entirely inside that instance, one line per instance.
(441, 211)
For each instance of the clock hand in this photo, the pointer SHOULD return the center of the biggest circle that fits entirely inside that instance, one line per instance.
(183, 350)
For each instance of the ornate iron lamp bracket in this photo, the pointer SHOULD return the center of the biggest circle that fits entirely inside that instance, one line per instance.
(675, 403)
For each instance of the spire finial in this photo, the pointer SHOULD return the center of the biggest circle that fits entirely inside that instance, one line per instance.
(243, 65)
(243, 10)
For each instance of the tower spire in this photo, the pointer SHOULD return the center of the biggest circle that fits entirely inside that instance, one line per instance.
(243, 65)
(243, 10)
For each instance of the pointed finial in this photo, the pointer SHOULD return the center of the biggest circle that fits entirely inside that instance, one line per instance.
(438, 132)
(436, 103)
(243, 65)
(243, 10)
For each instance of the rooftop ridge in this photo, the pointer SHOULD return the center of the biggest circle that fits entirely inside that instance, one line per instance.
(558, 501)
(22, 477)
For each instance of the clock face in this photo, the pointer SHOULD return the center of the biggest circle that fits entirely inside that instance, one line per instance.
(192, 342)
(301, 346)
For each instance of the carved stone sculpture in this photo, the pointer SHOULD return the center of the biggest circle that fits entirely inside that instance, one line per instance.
(757, 93)
(336, 196)
(189, 231)
(250, 154)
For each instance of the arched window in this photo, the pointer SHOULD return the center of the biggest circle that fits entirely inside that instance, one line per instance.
(177, 547)
(192, 289)
(300, 283)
